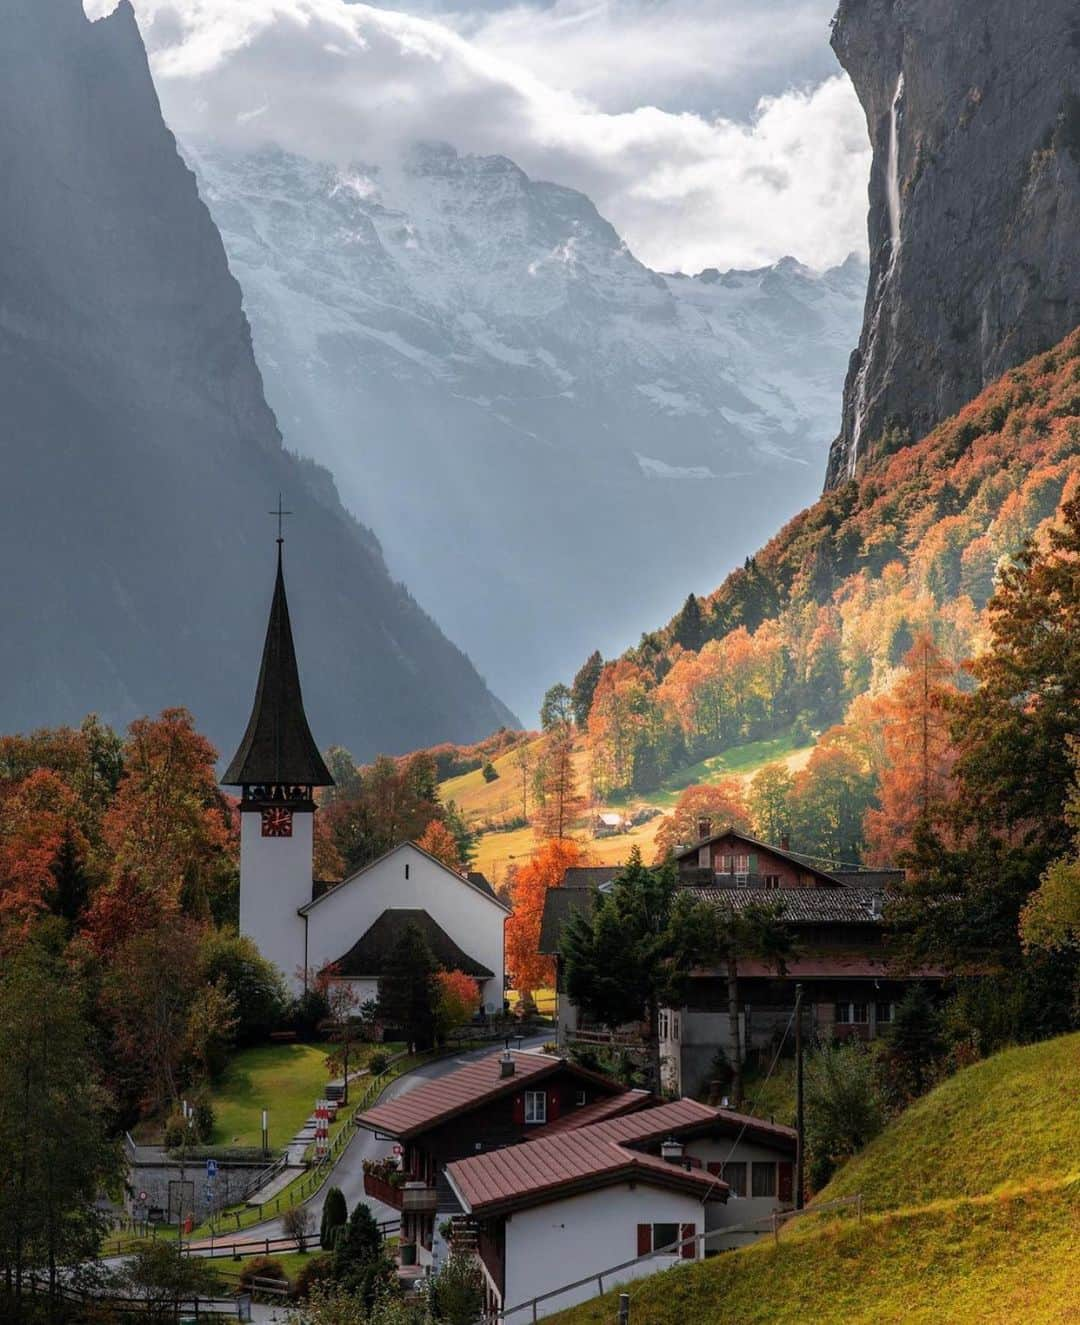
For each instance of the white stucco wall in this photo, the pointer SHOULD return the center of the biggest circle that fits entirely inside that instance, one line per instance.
(409, 879)
(275, 880)
(738, 1210)
(566, 1240)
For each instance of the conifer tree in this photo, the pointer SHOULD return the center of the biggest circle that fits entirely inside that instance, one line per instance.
(409, 990)
(335, 1215)
(584, 687)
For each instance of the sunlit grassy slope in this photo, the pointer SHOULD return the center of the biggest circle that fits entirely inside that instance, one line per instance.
(486, 803)
(974, 1195)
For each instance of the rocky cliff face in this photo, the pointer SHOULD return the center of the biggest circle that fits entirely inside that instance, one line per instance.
(462, 344)
(139, 455)
(974, 115)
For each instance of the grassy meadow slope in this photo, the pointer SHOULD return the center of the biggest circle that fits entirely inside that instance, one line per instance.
(974, 1195)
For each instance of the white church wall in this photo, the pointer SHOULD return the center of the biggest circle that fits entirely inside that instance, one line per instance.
(408, 879)
(275, 874)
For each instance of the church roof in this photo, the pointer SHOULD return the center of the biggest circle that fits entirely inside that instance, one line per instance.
(368, 955)
(471, 880)
(278, 746)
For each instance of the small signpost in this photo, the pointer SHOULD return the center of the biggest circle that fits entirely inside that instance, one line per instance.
(211, 1169)
(322, 1129)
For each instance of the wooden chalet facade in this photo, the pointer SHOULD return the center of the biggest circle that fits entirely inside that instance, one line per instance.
(494, 1102)
(851, 984)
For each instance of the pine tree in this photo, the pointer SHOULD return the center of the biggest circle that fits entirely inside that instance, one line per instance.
(409, 990)
(584, 687)
(688, 628)
(335, 1215)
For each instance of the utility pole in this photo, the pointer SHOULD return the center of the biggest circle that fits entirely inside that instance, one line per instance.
(799, 1122)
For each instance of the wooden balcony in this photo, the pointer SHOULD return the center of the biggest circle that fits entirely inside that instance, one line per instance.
(411, 1197)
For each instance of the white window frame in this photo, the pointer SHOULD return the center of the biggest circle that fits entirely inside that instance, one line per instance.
(535, 1107)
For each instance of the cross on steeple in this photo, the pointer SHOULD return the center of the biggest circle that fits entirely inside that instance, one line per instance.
(281, 513)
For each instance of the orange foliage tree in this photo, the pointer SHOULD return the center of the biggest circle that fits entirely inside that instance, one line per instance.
(559, 802)
(720, 802)
(914, 779)
(169, 828)
(36, 815)
(528, 888)
(439, 841)
(458, 1000)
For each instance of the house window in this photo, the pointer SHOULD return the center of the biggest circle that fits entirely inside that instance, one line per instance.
(735, 1177)
(850, 1014)
(535, 1106)
(772, 881)
(664, 1235)
(579, 1099)
(742, 864)
(665, 1027)
(763, 1178)
(884, 1012)
(675, 1026)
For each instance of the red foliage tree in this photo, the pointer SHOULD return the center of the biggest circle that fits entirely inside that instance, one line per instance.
(528, 888)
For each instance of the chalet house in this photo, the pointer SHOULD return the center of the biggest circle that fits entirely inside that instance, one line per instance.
(487, 1104)
(575, 1202)
(570, 1206)
(851, 985)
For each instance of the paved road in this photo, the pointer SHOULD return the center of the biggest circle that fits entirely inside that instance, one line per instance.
(348, 1172)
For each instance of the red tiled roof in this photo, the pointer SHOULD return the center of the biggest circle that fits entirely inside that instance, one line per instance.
(458, 1092)
(630, 1101)
(563, 1165)
(685, 1116)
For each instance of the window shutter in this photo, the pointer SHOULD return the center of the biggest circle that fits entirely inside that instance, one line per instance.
(753, 862)
(688, 1250)
(785, 1186)
(644, 1239)
(519, 1110)
(552, 1105)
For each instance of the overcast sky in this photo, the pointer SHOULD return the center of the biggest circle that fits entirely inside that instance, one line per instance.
(710, 132)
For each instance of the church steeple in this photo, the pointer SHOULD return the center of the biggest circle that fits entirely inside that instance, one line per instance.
(278, 760)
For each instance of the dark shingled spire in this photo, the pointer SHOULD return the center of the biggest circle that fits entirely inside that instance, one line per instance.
(278, 747)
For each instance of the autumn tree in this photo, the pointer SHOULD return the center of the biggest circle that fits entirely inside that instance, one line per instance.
(914, 781)
(721, 803)
(168, 827)
(439, 842)
(528, 889)
(38, 815)
(624, 727)
(396, 802)
(559, 801)
(523, 762)
(458, 1001)
(769, 803)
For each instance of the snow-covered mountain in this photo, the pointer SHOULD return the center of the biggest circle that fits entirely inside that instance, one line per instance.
(552, 442)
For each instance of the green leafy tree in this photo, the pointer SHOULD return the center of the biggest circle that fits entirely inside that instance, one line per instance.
(163, 1279)
(409, 988)
(769, 803)
(633, 954)
(844, 1108)
(256, 985)
(557, 710)
(55, 1156)
(584, 687)
(457, 1291)
(335, 1215)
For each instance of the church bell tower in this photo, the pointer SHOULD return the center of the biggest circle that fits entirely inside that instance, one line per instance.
(277, 768)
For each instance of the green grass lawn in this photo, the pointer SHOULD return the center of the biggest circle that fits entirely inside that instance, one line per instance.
(285, 1079)
(1010, 1119)
(974, 1194)
(739, 760)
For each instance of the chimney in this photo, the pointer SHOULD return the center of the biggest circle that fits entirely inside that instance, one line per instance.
(785, 842)
(704, 829)
(506, 1064)
(877, 908)
(672, 1150)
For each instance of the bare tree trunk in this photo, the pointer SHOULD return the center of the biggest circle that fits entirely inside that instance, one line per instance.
(734, 1033)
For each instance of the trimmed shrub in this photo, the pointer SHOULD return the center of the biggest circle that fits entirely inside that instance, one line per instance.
(335, 1215)
(260, 1267)
(378, 1062)
(315, 1270)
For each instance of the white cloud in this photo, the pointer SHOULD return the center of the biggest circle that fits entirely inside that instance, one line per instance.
(352, 83)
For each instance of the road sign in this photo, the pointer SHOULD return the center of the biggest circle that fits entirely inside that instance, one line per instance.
(142, 1198)
(211, 1168)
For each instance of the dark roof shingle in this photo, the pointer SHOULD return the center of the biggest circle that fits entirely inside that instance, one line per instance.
(368, 954)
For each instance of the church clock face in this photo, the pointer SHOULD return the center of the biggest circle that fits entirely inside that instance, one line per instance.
(277, 823)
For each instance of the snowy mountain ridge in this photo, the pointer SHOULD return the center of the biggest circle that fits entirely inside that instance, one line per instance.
(461, 344)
